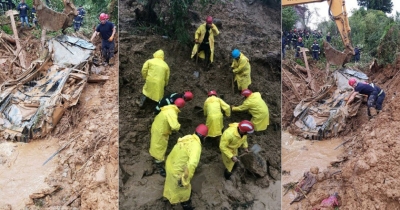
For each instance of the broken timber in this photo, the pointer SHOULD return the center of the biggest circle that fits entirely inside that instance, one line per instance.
(19, 52)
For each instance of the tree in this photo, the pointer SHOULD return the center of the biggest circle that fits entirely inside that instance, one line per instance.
(289, 18)
(382, 5)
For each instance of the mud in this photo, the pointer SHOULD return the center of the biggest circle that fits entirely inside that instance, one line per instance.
(369, 167)
(84, 175)
(140, 187)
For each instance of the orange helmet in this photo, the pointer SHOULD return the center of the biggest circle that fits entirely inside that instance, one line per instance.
(212, 93)
(188, 96)
(246, 126)
(179, 102)
(202, 130)
(246, 93)
(352, 81)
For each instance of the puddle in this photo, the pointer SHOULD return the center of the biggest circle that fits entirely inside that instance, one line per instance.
(299, 156)
(21, 170)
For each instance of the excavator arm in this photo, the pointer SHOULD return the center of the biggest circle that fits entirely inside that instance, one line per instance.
(337, 12)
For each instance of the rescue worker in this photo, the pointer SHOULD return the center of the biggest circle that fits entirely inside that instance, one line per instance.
(156, 73)
(298, 45)
(289, 39)
(357, 54)
(34, 17)
(241, 69)
(23, 13)
(315, 50)
(170, 99)
(234, 137)
(328, 37)
(106, 30)
(257, 108)
(373, 93)
(164, 123)
(204, 41)
(78, 20)
(295, 37)
(212, 110)
(180, 167)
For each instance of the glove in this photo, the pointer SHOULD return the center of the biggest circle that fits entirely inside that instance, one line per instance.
(111, 38)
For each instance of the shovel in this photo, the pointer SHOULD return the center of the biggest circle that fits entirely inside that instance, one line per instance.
(255, 149)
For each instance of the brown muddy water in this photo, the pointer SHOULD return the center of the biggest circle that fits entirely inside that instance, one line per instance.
(299, 155)
(23, 163)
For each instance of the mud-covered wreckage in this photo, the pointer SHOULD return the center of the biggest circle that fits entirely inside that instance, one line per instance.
(34, 103)
(324, 115)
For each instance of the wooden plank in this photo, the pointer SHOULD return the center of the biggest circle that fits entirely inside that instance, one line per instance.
(97, 78)
(19, 52)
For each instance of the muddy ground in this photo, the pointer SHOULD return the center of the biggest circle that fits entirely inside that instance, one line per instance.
(255, 30)
(369, 164)
(82, 176)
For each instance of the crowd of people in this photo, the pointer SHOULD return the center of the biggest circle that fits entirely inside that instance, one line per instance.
(180, 164)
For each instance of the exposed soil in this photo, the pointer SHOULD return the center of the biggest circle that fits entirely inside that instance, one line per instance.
(370, 166)
(84, 174)
(255, 30)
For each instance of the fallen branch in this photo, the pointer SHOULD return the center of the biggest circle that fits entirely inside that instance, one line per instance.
(344, 143)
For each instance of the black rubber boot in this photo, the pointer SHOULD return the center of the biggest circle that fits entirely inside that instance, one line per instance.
(227, 174)
(160, 169)
(187, 205)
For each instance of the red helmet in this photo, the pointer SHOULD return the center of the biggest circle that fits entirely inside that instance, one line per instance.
(103, 16)
(246, 93)
(352, 81)
(209, 20)
(300, 39)
(212, 93)
(246, 126)
(179, 102)
(202, 130)
(188, 96)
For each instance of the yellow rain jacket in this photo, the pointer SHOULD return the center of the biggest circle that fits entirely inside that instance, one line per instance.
(180, 165)
(156, 73)
(258, 109)
(164, 123)
(242, 70)
(229, 144)
(212, 109)
(199, 35)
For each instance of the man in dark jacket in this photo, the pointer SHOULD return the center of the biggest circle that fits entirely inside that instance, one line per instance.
(315, 50)
(23, 13)
(78, 20)
(106, 30)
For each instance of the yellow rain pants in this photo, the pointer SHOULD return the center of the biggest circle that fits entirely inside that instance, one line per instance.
(156, 73)
(229, 144)
(212, 109)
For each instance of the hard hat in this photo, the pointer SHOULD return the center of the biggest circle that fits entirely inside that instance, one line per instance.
(235, 53)
(300, 39)
(179, 102)
(188, 96)
(212, 93)
(246, 126)
(209, 20)
(246, 93)
(352, 81)
(103, 16)
(202, 130)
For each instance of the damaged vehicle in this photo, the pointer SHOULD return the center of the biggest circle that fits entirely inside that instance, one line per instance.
(33, 104)
(324, 115)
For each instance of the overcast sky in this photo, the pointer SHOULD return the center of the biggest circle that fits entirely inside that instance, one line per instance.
(322, 9)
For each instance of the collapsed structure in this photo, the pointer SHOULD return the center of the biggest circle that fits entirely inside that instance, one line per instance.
(32, 104)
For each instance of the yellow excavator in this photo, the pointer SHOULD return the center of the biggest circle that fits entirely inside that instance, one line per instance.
(337, 12)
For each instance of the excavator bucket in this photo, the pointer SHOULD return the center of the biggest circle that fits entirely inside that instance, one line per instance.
(336, 57)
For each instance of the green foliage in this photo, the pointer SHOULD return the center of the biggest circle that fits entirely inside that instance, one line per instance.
(382, 5)
(289, 18)
(7, 29)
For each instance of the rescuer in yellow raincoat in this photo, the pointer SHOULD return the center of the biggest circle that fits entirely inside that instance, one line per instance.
(257, 108)
(180, 165)
(156, 73)
(212, 109)
(204, 39)
(234, 137)
(164, 123)
(241, 69)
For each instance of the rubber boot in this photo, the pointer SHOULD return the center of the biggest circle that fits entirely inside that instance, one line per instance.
(227, 174)
(187, 205)
(160, 169)
(142, 100)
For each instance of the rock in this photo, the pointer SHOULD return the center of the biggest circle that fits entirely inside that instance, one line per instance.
(255, 164)
(275, 174)
(361, 167)
(101, 175)
(373, 134)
